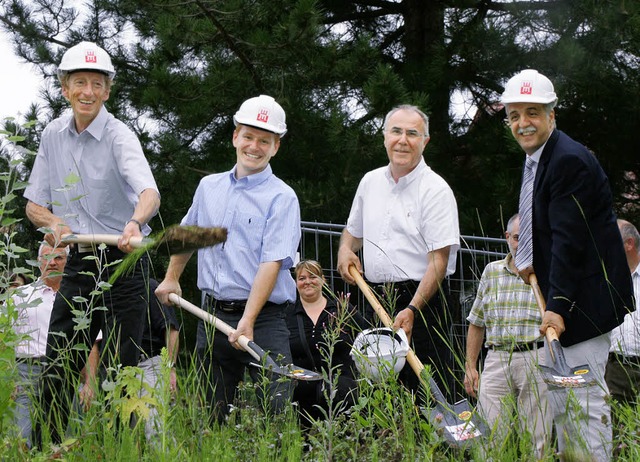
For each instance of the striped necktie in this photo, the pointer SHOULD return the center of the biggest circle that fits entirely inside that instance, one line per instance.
(524, 254)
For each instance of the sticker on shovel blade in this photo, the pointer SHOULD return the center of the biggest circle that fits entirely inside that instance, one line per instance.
(466, 415)
(565, 381)
(300, 373)
(581, 372)
(463, 432)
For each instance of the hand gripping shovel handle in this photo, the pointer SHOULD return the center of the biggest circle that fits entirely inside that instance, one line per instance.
(551, 333)
(457, 419)
(561, 375)
(211, 319)
(263, 359)
(412, 359)
(107, 239)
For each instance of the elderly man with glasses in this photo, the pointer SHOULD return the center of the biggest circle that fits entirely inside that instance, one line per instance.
(405, 219)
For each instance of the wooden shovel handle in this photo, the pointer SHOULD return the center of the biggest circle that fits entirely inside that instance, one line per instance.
(412, 359)
(108, 239)
(551, 333)
(211, 319)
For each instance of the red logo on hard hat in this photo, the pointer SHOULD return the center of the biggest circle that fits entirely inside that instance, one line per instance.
(525, 89)
(90, 57)
(263, 115)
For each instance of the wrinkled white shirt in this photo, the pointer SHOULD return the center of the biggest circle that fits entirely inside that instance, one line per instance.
(401, 222)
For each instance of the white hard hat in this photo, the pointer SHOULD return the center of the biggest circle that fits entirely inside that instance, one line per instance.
(379, 351)
(529, 86)
(86, 56)
(262, 112)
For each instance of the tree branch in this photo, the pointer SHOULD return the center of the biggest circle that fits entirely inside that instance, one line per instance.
(232, 45)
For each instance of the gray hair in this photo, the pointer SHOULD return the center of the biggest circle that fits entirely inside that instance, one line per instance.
(628, 231)
(44, 244)
(411, 108)
(510, 222)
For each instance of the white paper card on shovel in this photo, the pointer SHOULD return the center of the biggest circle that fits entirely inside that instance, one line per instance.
(464, 431)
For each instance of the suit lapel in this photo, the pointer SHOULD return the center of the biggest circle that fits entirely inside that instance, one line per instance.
(545, 157)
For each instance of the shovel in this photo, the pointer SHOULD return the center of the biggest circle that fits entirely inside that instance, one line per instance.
(561, 375)
(177, 239)
(458, 421)
(264, 360)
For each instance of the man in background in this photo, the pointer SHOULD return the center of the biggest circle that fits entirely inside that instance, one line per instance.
(34, 303)
(623, 367)
(506, 310)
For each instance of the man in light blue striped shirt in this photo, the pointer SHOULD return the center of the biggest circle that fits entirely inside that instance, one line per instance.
(505, 309)
(246, 282)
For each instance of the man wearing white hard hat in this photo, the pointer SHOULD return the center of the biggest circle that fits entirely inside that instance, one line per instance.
(90, 177)
(572, 243)
(247, 281)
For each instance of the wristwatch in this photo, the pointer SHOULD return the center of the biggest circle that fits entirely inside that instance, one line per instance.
(136, 222)
(413, 308)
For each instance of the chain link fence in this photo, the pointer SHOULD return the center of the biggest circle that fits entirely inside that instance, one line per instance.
(320, 242)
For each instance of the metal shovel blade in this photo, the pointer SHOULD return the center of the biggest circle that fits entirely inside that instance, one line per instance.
(561, 375)
(458, 423)
(263, 359)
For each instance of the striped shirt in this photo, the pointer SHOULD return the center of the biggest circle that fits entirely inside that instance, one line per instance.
(262, 216)
(625, 339)
(505, 306)
(92, 179)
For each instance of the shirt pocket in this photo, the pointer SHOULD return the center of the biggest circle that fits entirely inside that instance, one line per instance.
(248, 230)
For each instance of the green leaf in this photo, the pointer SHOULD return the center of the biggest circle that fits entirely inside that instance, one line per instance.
(72, 178)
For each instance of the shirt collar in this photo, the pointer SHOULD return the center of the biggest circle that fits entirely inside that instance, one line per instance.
(96, 127)
(535, 157)
(507, 262)
(405, 180)
(251, 180)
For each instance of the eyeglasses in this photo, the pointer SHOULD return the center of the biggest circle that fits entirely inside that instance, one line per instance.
(410, 134)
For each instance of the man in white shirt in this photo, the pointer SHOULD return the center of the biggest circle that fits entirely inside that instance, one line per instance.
(405, 218)
(34, 303)
(623, 367)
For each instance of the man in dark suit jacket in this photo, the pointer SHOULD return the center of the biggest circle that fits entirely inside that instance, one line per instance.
(577, 255)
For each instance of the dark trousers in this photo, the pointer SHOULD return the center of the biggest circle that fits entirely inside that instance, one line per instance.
(431, 338)
(312, 397)
(223, 367)
(119, 312)
(623, 378)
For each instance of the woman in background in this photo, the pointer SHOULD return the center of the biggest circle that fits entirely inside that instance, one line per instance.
(315, 323)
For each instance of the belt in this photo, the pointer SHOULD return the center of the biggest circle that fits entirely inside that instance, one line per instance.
(231, 306)
(33, 360)
(227, 306)
(93, 248)
(518, 346)
(625, 359)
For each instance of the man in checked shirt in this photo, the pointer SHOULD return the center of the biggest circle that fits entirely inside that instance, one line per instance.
(506, 310)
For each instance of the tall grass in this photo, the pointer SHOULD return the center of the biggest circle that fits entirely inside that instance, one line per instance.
(385, 424)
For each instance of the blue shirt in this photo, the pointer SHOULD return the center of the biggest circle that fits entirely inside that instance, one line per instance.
(92, 179)
(262, 216)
